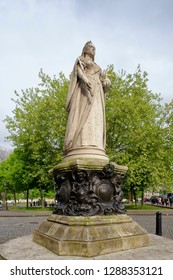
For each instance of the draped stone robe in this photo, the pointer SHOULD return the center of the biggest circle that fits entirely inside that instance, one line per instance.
(86, 108)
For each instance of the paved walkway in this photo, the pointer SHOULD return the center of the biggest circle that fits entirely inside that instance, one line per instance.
(24, 248)
(16, 238)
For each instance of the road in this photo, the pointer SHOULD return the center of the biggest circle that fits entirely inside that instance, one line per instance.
(13, 227)
(149, 223)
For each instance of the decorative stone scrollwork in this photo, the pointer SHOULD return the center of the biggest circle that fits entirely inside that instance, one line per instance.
(89, 192)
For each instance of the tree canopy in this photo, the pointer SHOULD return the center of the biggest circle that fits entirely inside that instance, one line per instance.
(139, 131)
(135, 130)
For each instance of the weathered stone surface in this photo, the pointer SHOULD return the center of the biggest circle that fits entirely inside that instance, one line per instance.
(86, 164)
(90, 236)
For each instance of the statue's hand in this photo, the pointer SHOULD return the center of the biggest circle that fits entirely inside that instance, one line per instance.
(106, 84)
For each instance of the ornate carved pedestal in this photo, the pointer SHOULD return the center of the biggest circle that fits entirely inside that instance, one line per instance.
(89, 218)
(86, 188)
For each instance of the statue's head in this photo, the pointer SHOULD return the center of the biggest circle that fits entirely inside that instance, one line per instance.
(89, 49)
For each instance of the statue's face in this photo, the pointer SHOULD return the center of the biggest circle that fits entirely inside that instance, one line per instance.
(90, 50)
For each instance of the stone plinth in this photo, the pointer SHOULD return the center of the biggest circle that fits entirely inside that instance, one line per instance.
(86, 163)
(90, 236)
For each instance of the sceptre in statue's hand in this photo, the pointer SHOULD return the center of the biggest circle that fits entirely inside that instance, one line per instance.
(105, 81)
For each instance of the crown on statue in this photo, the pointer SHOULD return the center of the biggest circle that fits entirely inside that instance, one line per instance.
(89, 43)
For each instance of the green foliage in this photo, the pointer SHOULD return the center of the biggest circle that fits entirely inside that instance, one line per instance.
(139, 132)
(37, 128)
(135, 134)
(16, 173)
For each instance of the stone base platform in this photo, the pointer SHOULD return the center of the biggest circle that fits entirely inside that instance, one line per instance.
(90, 236)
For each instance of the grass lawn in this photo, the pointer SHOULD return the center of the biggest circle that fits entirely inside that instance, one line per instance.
(145, 207)
(35, 209)
(127, 206)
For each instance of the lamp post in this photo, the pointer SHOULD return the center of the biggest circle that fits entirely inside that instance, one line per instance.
(6, 204)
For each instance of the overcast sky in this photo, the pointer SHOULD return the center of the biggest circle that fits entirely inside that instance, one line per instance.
(50, 34)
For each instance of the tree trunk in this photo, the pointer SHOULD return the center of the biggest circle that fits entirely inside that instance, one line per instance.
(41, 197)
(14, 198)
(3, 200)
(27, 198)
(135, 198)
(142, 198)
(131, 194)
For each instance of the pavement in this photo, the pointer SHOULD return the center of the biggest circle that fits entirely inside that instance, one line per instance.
(23, 248)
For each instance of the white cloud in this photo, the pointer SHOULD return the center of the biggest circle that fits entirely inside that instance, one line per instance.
(50, 35)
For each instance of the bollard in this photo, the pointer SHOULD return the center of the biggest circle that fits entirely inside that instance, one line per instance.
(159, 223)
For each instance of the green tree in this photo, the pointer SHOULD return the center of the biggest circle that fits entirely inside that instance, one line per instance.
(17, 175)
(3, 155)
(168, 144)
(135, 129)
(37, 127)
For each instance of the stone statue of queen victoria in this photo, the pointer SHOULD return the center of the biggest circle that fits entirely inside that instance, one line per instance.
(87, 183)
(86, 126)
